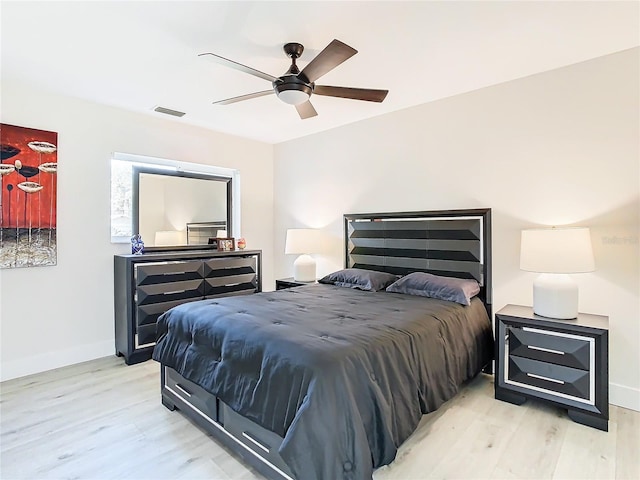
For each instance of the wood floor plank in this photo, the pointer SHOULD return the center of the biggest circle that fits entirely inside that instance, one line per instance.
(103, 420)
(587, 453)
(627, 443)
(482, 444)
(429, 443)
(534, 446)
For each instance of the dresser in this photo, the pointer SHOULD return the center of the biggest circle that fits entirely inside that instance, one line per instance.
(564, 362)
(146, 286)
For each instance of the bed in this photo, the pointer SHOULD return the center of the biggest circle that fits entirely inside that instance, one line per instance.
(325, 382)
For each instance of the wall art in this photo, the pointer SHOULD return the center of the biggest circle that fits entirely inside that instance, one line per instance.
(28, 181)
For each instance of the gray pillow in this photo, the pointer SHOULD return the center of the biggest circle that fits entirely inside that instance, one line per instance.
(433, 286)
(360, 278)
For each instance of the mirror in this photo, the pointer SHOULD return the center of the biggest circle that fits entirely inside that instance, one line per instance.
(176, 208)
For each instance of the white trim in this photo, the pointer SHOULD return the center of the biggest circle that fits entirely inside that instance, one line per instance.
(52, 360)
(625, 397)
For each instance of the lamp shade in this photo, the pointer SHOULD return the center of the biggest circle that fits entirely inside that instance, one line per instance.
(556, 250)
(303, 240)
(169, 238)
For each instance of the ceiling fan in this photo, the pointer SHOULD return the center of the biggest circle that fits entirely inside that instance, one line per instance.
(295, 87)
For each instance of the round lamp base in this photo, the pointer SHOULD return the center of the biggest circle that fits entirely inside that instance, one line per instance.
(304, 269)
(555, 296)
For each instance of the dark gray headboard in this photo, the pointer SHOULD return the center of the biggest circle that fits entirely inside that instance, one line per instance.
(452, 243)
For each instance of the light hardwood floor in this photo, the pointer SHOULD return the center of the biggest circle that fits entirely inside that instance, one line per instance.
(104, 420)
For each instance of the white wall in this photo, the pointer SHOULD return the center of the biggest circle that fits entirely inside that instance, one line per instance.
(54, 316)
(561, 147)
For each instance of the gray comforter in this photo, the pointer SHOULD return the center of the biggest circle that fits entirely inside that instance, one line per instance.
(342, 375)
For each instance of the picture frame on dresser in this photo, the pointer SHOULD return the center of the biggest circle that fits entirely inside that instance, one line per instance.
(225, 244)
(147, 285)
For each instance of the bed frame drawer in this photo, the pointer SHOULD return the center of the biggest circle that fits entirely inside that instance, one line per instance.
(191, 393)
(257, 446)
(264, 442)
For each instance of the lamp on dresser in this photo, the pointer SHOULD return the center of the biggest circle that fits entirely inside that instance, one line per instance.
(555, 253)
(304, 242)
(169, 238)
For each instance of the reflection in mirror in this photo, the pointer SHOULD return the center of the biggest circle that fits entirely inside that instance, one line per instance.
(179, 203)
(179, 208)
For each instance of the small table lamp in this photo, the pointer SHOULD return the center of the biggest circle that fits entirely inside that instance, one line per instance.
(169, 238)
(303, 241)
(556, 252)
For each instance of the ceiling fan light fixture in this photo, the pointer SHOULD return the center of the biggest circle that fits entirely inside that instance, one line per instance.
(293, 93)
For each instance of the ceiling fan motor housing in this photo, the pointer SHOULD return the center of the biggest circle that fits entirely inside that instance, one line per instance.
(292, 89)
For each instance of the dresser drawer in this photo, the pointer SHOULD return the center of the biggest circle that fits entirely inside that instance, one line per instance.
(148, 314)
(247, 283)
(165, 272)
(192, 393)
(145, 336)
(169, 292)
(223, 267)
(567, 382)
(549, 346)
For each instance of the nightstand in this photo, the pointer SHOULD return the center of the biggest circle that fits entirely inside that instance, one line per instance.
(289, 282)
(564, 362)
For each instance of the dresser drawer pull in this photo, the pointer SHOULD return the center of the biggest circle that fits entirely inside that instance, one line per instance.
(173, 273)
(256, 442)
(175, 291)
(182, 389)
(533, 375)
(548, 350)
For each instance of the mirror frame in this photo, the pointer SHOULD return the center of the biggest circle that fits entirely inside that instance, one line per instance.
(135, 200)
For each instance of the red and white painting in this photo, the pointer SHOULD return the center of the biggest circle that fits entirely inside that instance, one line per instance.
(28, 179)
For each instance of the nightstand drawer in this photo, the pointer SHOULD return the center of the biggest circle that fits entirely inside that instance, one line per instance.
(549, 346)
(559, 380)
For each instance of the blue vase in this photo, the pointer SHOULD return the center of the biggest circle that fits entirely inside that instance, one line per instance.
(137, 245)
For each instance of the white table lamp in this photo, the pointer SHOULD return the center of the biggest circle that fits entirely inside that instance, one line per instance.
(169, 238)
(556, 252)
(303, 241)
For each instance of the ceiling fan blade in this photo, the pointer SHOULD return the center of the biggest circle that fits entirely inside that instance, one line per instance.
(248, 96)
(333, 55)
(238, 66)
(306, 110)
(367, 94)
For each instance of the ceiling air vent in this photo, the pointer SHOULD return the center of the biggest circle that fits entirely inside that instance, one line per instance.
(168, 111)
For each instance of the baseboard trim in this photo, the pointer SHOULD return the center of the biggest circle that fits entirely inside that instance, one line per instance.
(625, 397)
(51, 360)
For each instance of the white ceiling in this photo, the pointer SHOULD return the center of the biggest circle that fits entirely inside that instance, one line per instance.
(136, 55)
